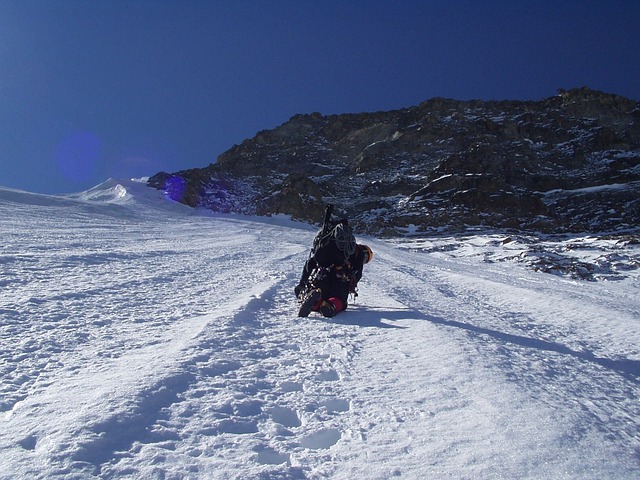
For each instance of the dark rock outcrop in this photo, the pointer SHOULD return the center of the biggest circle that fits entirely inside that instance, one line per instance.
(567, 163)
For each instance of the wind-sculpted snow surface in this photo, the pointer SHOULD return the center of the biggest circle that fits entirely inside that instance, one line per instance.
(143, 339)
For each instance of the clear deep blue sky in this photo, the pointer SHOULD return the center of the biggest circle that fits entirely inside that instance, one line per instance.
(111, 88)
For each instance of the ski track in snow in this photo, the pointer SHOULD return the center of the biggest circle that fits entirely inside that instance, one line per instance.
(149, 341)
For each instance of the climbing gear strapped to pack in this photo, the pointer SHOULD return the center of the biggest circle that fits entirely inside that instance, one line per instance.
(334, 243)
(344, 238)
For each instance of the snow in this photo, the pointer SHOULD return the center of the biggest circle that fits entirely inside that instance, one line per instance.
(594, 189)
(143, 339)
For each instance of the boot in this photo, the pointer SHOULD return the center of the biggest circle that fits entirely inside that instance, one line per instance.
(327, 309)
(309, 300)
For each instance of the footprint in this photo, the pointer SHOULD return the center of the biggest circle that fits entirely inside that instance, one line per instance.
(328, 376)
(322, 439)
(336, 405)
(269, 456)
(218, 368)
(285, 417)
(28, 443)
(248, 408)
(238, 427)
(286, 387)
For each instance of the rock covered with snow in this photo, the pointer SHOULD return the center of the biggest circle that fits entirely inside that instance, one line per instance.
(568, 163)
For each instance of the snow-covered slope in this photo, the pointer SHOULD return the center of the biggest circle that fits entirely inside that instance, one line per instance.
(144, 339)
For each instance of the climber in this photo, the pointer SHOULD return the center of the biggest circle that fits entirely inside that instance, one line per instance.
(333, 269)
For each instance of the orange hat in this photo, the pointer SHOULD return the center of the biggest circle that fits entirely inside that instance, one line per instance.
(368, 253)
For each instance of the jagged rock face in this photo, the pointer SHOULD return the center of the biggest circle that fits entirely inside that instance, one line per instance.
(567, 163)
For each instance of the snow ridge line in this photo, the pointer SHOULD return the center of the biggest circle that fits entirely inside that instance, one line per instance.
(118, 433)
(271, 381)
(86, 441)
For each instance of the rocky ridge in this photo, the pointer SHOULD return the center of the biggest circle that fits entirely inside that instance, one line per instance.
(568, 163)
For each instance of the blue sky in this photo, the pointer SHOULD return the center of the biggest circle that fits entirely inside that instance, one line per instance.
(111, 88)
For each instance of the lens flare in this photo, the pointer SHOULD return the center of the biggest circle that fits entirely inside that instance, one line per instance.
(174, 188)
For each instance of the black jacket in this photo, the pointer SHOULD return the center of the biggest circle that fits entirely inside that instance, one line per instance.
(337, 278)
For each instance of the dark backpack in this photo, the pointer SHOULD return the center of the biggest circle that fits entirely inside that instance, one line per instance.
(333, 245)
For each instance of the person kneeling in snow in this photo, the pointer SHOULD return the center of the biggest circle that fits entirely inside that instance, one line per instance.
(332, 271)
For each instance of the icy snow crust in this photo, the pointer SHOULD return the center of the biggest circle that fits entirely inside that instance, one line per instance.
(143, 339)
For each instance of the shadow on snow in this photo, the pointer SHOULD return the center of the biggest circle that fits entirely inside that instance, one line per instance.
(377, 317)
(372, 317)
(628, 368)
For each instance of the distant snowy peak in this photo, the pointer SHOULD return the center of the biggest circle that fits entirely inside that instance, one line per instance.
(127, 198)
(111, 191)
(568, 163)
